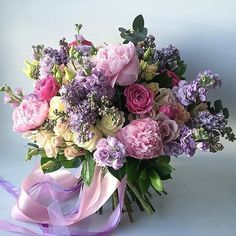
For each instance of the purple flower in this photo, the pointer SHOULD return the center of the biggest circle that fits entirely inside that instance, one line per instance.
(208, 79)
(110, 152)
(173, 148)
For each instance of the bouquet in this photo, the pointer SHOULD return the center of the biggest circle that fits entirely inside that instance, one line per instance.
(122, 110)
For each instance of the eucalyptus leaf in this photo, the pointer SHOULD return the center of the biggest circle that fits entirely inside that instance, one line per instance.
(226, 113)
(138, 23)
(218, 105)
(123, 30)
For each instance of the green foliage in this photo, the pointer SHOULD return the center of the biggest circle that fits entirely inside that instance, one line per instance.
(156, 181)
(138, 32)
(119, 174)
(88, 168)
(218, 108)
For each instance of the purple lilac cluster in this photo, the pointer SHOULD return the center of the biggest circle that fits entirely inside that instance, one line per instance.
(188, 93)
(167, 56)
(82, 97)
(110, 152)
(209, 121)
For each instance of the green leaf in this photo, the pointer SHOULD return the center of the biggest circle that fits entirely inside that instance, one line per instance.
(88, 168)
(132, 169)
(66, 163)
(31, 153)
(49, 164)
(138, 23)
(144, 181)
(165, 159)
(156, 181)
(226, 113)
(119, 174)
(218, 106)
(33, 145)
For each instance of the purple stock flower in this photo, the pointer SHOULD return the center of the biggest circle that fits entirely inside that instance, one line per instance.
(110, 152)
(188, 93)
(173, 148)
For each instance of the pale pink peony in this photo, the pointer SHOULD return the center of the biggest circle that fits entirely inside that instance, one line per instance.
(46, 88)
(168, 128)
(120, 63)
(29, 115)
(139, 99)
(142, 139)
(170, 110)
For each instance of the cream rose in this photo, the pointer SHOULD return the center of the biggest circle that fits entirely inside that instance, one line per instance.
(56, 104)
(109, 126)
(71, 152)
(91, 144)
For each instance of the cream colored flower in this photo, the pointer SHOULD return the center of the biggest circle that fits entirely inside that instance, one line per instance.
(68, 136)
(109, 126)
(150, 72)
(182, 116)
(56, 104)
(50, 150)
(91, 144)
(43, 137)
(154, 87)
(60, 128)
(30, 135)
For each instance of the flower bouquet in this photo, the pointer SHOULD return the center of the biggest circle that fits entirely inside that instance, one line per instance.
(113, 114)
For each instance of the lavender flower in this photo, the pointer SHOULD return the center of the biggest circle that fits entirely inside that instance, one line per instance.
(208, 79)
(45, 66)
(110, 152)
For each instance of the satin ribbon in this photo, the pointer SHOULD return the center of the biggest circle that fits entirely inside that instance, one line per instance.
(59, 202)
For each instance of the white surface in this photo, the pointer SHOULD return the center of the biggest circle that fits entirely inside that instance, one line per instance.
(202, 196)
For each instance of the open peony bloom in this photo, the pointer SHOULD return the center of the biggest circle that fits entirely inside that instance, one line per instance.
(29, 115)
(120, 63)
(142, 139)
(46, 88)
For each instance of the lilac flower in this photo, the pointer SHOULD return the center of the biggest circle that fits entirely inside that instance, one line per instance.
(208, 79)
(110, 152)
(45, 66)
(203, 146)
(82, 97)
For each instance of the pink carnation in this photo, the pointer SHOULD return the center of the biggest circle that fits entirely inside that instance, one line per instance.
(139, 99)
(29, 115)
(142, 139)
(120, 63)
(46, 88)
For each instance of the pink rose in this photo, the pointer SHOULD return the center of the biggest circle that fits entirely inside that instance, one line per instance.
(139, 99)
(169, 110)
(142, 139)
(46, 88)
(29, 115)
(120, 63)
(168, 128)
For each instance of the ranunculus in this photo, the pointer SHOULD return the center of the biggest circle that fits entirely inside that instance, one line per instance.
(142, 139)
(56, 104)
(139, 99)
(29, 115)
(109, 126)
(168, 128)
(46, 88)
(169, 110)
(166, 96)
(120, 63)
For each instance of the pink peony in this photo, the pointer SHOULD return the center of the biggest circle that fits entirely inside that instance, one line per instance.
(120, 63)
(142, 139)
(168, 128)
(29, 115)
(139, 99)
(169, 110)
(46, 88)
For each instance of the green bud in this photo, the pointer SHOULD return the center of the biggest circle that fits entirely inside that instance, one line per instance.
(147, 54)
(69, 74)
(48, 165)
(31, 69)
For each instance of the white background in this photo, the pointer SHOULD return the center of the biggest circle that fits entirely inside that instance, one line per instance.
(202, 196)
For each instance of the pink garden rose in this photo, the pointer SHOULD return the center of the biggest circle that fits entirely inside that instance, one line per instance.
(120, 63)
(168, 128)
(46, 88)
(142, 139)
(29, 115)
(139, 99)
(170, 110)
